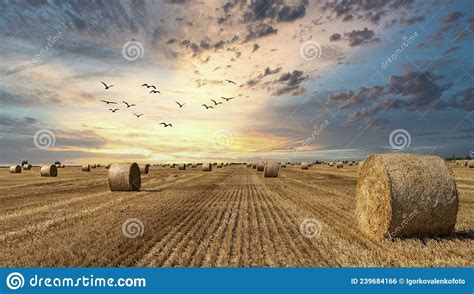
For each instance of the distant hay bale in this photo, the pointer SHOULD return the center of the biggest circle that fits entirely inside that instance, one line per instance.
(182, 166)
(63, 166)
(464, 163)
(86, 168)
(15, 169)
(107, 166)
(93, 166)
(219, 165)
(282, 164)
(260, 166)
(27, 166)
(254, 165)
(471, 163)
(350, 163)
(144, 168)
(406, 195)
(207, 166)
(331, 163)
(125, 177)
(49, 171)
(172, 165)
(310, 164)
(339, 164)
(271, 169)
(193, 165)
(98, 165)
(304, 165)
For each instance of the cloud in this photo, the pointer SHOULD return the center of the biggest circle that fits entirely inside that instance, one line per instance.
(451, 49)
(290, 83)
(452, 17)
(267, 72)
(362, 37)
(273, 9)
(259, 31)
(412, 20)
(345, 99)
(335, 37)
(255, 47)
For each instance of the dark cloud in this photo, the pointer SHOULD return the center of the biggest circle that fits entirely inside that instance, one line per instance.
(274, 9)
(291, 13)
(255, 47)
(259, 31)
(358, 38)
(451, 49)
(267, 72)
(412, 20)
(290, 83)
(452, 17)
(345, 99)
(335, 37)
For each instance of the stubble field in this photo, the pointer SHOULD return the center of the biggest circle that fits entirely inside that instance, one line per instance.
(230, 217)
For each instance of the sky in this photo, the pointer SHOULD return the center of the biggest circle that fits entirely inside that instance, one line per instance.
(311, 80)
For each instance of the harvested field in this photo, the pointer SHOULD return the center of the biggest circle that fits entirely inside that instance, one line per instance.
(232, 216)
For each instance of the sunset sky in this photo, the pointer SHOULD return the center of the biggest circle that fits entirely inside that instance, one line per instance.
(314, 79)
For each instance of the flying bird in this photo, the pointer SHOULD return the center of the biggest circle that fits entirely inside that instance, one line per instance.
(230, 82)
(155, 91)
(149, 86)
(114, 110)
(166, 125)
(227, 99)
(138, 115)
(128, 105)
(180, 105)
(108, 102)
(106, 86)
(216, 103)
(207, 107)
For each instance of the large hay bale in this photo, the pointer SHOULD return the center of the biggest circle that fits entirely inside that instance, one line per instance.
(49, 171)
(182, 166)
(207, 166)
(271, 169)
(27, 166)
(144, 168)
(304, 165)
(125, 177)
(406, 195)
(260, 166)
(339, 164)
(15, 169)
(86, 168)
(471, 163)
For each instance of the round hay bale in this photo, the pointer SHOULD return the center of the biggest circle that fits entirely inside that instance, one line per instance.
(310, 164)
(254, 165)
(107, 166)
(304, 165)
(464, 163)
(471, 163)
(63, 166)
(219, 165)
(49, 171)
(125, 177)
(86, 168)
(249, 164)
(27, 166)
(283, 164)
(271, 169)
(331, 163)
(260, 166)
(406, 195)
(172, 165)
(144, 169)
(339, 164)
(93, 166)
(193, 165)
(182, 166)
(350, 163)
(98, 165)
(207, 166)
(15, 169)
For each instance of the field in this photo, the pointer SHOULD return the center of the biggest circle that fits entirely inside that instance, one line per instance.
(230, 217)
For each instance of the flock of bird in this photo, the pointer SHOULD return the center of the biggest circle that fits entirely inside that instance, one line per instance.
(155, 91)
